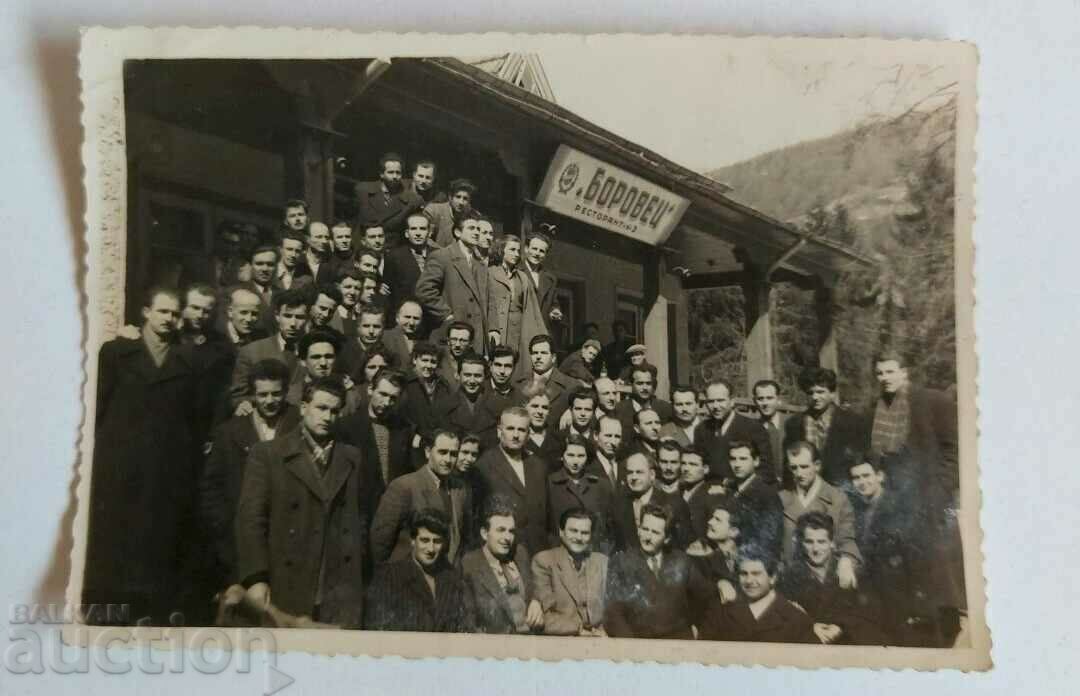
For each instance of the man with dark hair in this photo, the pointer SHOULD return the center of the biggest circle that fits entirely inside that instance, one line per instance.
(366, 337)
(639, 491)
(700, 495)
(144, 454)
(294, 215)
(425, 390)
(319, 256)
(404, 263)
(323, 315)
(522, 481)
(607, 463)
(435, 485)
(684, 418)
(572, 486)
(500, 390)
(223, 473)
(264, 260)
(341, 234)
(387, 202)
(582, 412)
(715, 550)
(653, 591)
(544, 375)
(758, 505)
(422, 182)
(498, 575)
(317, 353)
(762, 614)
(645, 434)
(350, 285)
(841, 615)
(537, 246)
(379, 430)
(485, 235)
(669, 467)
(837, 433)
(303, 481)
(465, 409)
(446, 215)
(642, 396)
(291, 268)
(766, 394)
(570, 579)
(402, 338)
(542, 441)
(459, 342)
(715, 434)
(422, 591)
(453, 285)
(811, 493)
(290, 309)
(584, 363)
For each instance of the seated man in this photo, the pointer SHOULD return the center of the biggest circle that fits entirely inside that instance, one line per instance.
(422, 592)
(498, 576)
(653, 591)
(841, 615)
(434, 486)
(570, 579)
(580, 364)
(812, 494)
(572, 487)
(640, 491)
(425, 391)
(761, 614)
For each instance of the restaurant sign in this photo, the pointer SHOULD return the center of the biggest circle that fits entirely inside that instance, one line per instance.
(587, 189)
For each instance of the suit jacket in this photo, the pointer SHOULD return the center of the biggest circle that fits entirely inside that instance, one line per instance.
(492, 611)
(760, 514)
(403, 457)
(545, 292)
(590, 493)
(626, 522)
(390, 537)
(782, 622)
(288, 513)
(442, 223)
(643, 605)
(247, 356)
(834, 503)
(549, 452)
(327, 273)
(374, 211)
(626, 413)
(559, 388)
(420, 409)
(777, 437)
(847, 435)
(219, 485)
(706, 495)
(715, 445)
(673, 431)
(569, 603)
(394, 340)
(530, 501)
(400, 272)
(399, 600)
(450, 285)
(856, 611)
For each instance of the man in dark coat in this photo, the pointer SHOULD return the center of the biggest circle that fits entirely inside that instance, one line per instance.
(640, 491)
(425, 390)
(522, 481)
(762, 614)
(714, 434)
(465, 409)
(290, 316)
(223, 473)
(653, 591)
(421, 592)
(643, 384)
(386, 203)
(544, 375)
(537, 246)
(757, 503)
(142, 486)
(305, 508)
(453, 286)
(404, 264)
(581, 363)
(573, 487)
(838, 433)
(380, 432)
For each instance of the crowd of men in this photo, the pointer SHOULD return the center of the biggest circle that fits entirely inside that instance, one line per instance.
(365, 427)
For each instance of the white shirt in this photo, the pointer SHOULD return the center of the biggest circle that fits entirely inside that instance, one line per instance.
(608, 466)
(759, 607)
(518, 465)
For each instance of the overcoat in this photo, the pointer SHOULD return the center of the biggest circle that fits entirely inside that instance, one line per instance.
(399, 600)
(564, 600)
(451, 285)
(498, 316)
(390, 534)
(530, 501)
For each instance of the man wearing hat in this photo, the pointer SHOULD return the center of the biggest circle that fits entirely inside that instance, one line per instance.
(580, 363)
(634, 357)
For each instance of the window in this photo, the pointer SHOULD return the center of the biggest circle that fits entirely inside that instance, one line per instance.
(628, 311)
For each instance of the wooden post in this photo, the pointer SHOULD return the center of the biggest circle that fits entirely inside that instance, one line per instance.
(828, 356)
(757, 294)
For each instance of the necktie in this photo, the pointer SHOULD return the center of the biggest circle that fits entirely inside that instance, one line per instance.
(654, 565)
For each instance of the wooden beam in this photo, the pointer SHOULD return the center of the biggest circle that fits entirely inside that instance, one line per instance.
(828, 354)
(757, 292)
(704, 281)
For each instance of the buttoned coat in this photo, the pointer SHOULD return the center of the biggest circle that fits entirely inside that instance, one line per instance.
(833, 502)
(375, 211)
(563, 596)
(288, 514)
(492, 610)
(760, 514)
(390, 534)
(856, 611)
(451, 285)
(848, 436)
(530, 501)
(480, 420)
(593, 494)
(398, 599)
(545, 293)
(673, 431)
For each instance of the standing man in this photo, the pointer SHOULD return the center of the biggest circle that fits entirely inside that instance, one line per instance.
(379, 431)
(465, 409)
(570, 579)
(521, 481)
(426, 391)
(446, 216)
(766, 395)
(547, 377)
(317, 353)
(459, 341)
(643, 396)
(264, 260)
(295, 215)
(615, 352)
(838, 433)
(423, 181)
(669, 466)
(305, 507)
(368, 333)
(291, 268)
(291, 316)
(434, 486)
(319, 257)
(758, 505)
(700, 495)
(716, 433)
(144, 455)
(341, 234)
(402, 339)
(500, 390)
(323, 316)
(640, 491)
(453, 286)
(484, 238)
(684, 418)
(387, 202)
(608, 442)
(405, 263)
(582, 414)
(537, 246)
(373, 239)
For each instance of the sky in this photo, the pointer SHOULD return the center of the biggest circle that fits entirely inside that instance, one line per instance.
(721, 102)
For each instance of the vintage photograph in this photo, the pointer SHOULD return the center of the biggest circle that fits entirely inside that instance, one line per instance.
(566, 339)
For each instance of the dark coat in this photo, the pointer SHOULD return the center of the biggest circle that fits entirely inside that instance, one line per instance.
(559, 388)
(420, 409)
(550, 452)
(287, 514)
(374, 211)
(590, 493)
(390, 534)
(856, 611)
(327, 274)
(643, 605)
(573, 365)
(450, 285)
(782, 622)
(701, 500)
(545, 292)
(394, 340)
(626, 413)
(626, 524)
(222, 477)
(398, 599)
(143, 480)
(404, 458)
(400, 272)
(530, 501)
(246, 357)
(491, 610)
(455, 412)
(760, 514)
(848, 435)
(715, 445)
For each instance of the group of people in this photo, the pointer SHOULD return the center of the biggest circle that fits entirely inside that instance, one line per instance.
(368, 429)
